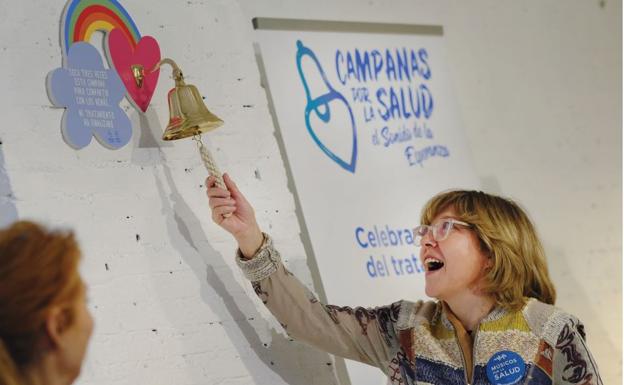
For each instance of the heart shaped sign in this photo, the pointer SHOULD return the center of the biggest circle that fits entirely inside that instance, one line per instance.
(125, 57)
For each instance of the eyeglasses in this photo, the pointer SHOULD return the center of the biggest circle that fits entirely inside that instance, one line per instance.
(440, 230)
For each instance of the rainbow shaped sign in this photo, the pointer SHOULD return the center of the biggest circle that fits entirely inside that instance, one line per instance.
(90, 92)
(124, 45)
(83, 17)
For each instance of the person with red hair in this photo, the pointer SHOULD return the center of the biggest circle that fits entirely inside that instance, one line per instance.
(45, 325)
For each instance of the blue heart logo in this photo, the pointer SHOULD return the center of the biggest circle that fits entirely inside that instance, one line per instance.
(321, 107)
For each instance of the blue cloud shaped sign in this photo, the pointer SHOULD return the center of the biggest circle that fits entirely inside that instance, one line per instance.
(91, 95)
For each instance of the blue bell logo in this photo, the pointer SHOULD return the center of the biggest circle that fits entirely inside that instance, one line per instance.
(328, 116)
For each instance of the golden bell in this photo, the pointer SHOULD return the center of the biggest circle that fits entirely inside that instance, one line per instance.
(188, 115)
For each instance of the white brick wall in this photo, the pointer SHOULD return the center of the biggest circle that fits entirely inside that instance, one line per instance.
(539, 87)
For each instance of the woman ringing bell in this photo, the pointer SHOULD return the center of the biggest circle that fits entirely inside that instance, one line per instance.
(493, 320)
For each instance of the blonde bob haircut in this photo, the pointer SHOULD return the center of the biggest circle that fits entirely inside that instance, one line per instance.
(508, 238)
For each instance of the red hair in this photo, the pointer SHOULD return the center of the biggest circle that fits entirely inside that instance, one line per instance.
(38, 270)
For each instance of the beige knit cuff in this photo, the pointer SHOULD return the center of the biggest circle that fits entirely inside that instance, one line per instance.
(264, 263)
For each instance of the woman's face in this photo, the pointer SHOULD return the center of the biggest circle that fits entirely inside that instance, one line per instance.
(460, 256)
(75, 338)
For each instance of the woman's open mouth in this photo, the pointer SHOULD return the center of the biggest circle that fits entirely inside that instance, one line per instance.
(433, 264)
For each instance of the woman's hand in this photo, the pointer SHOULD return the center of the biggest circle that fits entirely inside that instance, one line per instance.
(241, 222)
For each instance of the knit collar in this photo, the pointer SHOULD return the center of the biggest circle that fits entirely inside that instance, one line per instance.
(444, 312)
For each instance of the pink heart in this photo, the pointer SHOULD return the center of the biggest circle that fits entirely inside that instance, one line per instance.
(123, 56)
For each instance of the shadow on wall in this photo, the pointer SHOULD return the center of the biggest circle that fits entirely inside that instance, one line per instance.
(8, 211)
(291, 361)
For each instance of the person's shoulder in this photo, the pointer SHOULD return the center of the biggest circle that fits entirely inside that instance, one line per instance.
(413, 313)
(549, 321)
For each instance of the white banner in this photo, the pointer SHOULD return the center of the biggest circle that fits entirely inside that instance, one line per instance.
(371, 130)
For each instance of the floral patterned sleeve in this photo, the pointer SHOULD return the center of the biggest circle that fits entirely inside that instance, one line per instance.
(363, 334)
(573, 363)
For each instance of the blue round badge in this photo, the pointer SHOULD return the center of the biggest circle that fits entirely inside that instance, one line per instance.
(505, 368)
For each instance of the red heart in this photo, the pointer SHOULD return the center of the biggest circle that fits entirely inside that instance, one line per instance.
(124, 55)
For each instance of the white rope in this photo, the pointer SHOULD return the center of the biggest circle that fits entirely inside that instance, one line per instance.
(210, 164)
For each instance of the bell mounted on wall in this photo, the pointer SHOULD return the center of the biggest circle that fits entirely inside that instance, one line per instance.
(188, 115)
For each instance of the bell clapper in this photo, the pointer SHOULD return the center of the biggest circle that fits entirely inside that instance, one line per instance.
(210, 164)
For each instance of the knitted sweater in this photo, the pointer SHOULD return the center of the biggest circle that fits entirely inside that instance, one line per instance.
(417, 342)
